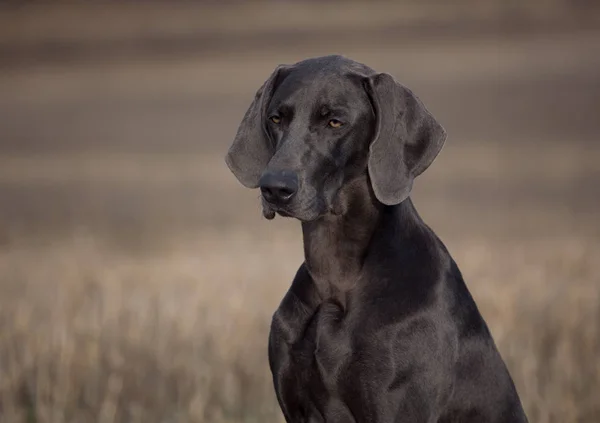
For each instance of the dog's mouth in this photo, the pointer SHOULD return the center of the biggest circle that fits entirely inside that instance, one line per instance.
(305, 215)
(269, 211)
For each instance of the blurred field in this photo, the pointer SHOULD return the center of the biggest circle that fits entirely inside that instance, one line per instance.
(138, 278)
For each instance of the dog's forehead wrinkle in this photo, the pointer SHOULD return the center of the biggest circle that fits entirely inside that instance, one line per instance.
(319, 77)
(332, 95)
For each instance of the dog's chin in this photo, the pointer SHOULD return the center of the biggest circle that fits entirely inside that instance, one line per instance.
(269, 212)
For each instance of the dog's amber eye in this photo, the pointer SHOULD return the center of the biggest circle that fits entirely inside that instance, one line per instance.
(335, 123)
(275, 119)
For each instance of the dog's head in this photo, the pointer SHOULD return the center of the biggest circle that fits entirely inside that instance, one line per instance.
(319, 124)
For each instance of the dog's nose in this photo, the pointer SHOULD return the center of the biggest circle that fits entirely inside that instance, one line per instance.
(278, 187)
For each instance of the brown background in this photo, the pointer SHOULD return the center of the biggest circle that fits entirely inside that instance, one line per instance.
(137, 277)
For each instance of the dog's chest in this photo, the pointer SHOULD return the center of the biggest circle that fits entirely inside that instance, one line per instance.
(330, 341)
(325, 345)
(310, 370)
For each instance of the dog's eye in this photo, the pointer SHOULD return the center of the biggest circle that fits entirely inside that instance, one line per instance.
(334, 123)
(275, 119)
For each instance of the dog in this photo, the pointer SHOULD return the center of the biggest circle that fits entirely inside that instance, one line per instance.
(378, 324)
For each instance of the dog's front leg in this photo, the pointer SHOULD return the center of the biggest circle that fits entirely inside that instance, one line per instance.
(291, 347)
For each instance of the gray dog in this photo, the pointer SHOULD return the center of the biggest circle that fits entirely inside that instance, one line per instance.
(378, 324)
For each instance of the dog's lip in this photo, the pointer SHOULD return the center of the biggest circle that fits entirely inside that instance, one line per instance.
(288, 211)
(283, 211)
(274, 208)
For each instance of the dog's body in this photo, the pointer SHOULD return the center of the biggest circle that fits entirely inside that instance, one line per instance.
(378, 325)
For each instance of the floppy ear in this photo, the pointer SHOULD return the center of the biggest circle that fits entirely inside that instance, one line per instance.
(252, 149)
(407, 139)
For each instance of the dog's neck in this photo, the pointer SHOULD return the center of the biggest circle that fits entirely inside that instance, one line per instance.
(335, 245)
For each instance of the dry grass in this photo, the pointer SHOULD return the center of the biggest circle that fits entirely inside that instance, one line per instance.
(90, 334)
(93, 336)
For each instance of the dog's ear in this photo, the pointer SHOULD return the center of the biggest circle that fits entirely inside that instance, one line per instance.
(407, 139)
(252, 149)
